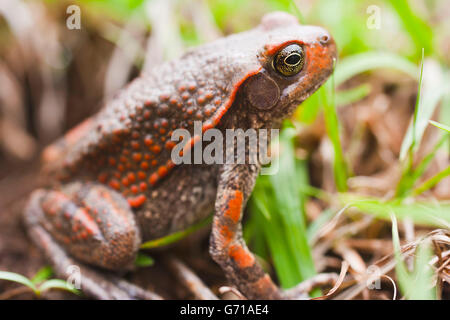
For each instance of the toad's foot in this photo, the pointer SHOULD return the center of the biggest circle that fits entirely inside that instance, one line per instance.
(99, 285)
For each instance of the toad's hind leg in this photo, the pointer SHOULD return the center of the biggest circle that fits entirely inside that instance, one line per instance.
(87, 223)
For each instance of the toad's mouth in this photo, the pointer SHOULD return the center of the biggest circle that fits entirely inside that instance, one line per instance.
(294, 95)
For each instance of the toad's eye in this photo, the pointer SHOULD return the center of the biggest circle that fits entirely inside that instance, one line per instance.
(290, 60)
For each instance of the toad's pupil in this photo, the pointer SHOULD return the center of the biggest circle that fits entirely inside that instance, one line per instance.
(293, 59)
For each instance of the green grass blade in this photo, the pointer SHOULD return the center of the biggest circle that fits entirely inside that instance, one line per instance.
(444, 116)
(293, 8)
(171, 238)
(419, 31)
(431, 182)
(291, 174)
(409, 179)
(348, 68)
(318, 223)
(272, 234)
(422, 213)
(415, 139)
(426, 104)
(403, 277)
(409, 144)
(58, 284)
(352, 95)
(362, 62)
(15, 277)
(423, 274)
(143, 260)
(43, 274)
(424, 109)
(440, 125)
(340, 167)
(411, 140)
(307, 112)
(277, 206)
(416, 285)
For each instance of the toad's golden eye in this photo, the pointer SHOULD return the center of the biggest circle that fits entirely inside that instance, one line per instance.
(290, 60)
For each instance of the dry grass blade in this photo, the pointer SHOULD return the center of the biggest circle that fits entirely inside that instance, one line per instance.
(330, 225)
(339, 281)
(387, 263)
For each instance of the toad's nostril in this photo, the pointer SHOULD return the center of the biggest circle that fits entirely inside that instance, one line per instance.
(324, 39)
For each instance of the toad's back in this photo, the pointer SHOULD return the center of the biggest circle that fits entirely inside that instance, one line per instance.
(127, 146)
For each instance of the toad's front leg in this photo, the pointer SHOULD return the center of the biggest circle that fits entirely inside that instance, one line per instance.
(227, 246)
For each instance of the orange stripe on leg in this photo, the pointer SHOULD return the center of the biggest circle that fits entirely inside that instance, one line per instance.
(242, 257)
(234, 207)
(226, 235)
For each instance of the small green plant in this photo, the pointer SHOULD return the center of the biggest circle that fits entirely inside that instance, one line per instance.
(423, 111)
(41, 281)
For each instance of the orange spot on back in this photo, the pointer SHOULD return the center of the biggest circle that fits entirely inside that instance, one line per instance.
(142, 175)
(137, 157)
(114, 184)
(156, 149)
(170, 145)
(131, 177)
(135, 145)
(148, 141)
(153, 179)
(125, 182)
(143, 186)
(137, 201)
(162, 171)
(206, 126)
(144, 165)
